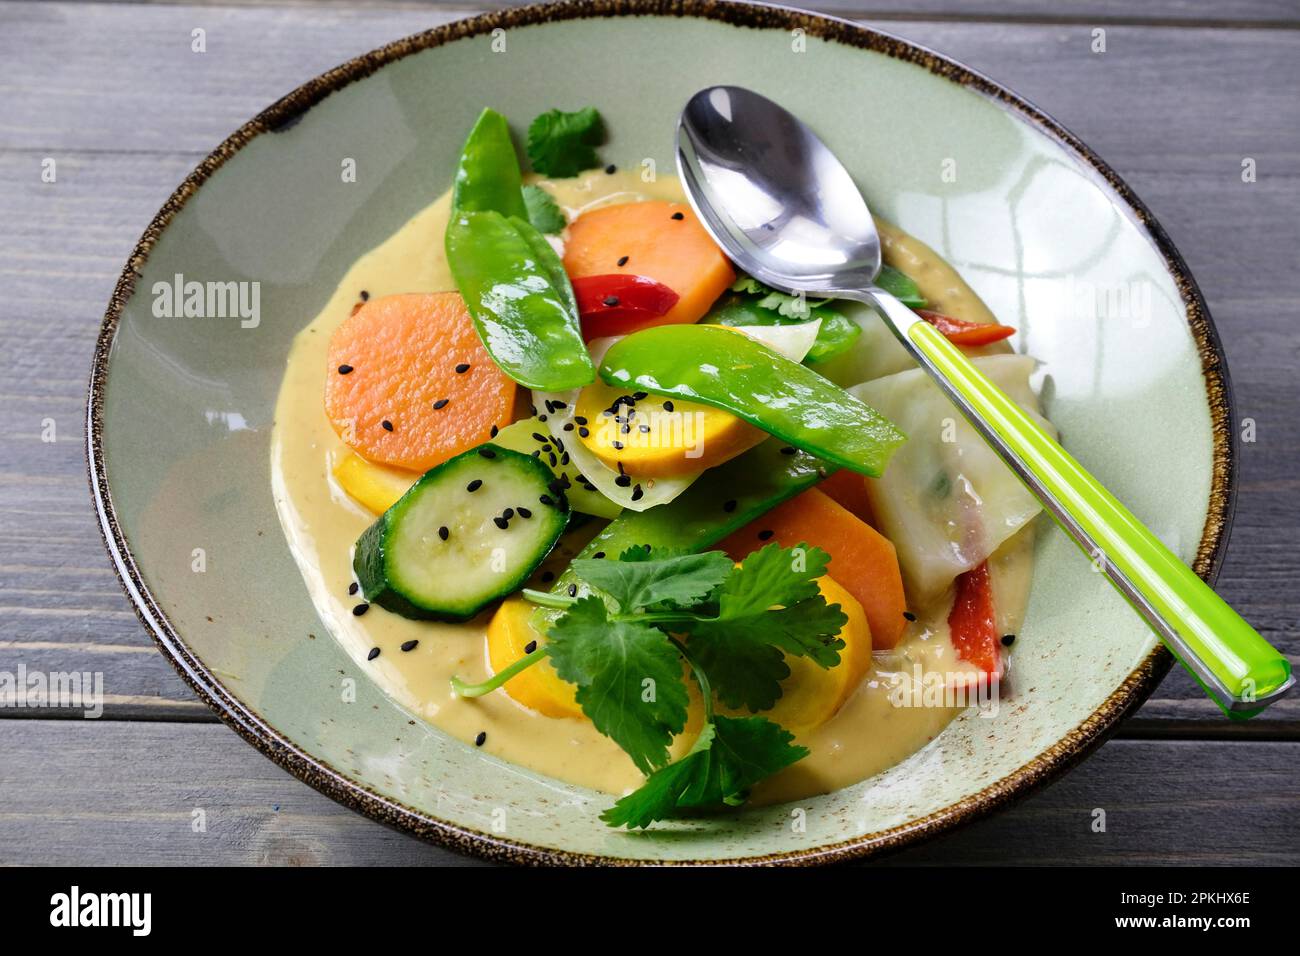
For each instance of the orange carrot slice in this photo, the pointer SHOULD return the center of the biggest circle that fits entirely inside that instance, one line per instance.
(850, 489)
(662, 241)
(409, 383)
(863, 561)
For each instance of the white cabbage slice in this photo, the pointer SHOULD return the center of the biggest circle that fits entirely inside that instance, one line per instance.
(947, 500)
(792, 341)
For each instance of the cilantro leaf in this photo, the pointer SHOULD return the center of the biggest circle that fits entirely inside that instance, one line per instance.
(629, 678)
(743, 671)
(786, 304)
(543, 212)
(561, 144)
(768, 607)
(730, 756)
(636, 582)
(901, 287)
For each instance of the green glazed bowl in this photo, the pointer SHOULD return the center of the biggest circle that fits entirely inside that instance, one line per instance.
(180, 410)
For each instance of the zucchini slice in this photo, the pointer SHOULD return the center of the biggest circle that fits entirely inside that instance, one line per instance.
(466, 534)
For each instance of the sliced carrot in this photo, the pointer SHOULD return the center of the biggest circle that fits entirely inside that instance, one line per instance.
(392, 389)
(850, 489)
(644, 238)
(863, 561)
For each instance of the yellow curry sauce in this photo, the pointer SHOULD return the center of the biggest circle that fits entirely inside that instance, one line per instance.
(322, 522)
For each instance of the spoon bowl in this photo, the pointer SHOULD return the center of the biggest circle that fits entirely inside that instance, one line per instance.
(774, 195)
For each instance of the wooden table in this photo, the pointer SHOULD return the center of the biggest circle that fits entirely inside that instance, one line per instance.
(1185, 90)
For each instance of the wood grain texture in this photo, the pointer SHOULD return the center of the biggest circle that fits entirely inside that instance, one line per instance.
(73, 794)
(112, 93)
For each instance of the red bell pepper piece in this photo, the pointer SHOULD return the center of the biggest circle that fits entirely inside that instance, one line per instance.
(617, 304)
(972, 623)
(961, 332)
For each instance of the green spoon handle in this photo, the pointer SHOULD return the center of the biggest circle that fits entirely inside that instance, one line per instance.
(1240, 670)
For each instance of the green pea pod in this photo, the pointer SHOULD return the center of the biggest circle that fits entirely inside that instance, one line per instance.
(514, 286)
(713, 366)
(487, 177)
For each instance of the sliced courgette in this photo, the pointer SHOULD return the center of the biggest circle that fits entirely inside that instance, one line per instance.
(466, 534)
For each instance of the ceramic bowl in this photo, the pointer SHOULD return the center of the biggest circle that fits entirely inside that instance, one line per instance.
(180, 410)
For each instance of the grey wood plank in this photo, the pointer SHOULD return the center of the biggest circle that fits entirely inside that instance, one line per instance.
(1162, 12)
(95, 793)
(1158, 99)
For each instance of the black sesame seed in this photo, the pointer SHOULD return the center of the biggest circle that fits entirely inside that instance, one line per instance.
(626, 428)
(638, 396)
(538, 436)
(360, 609)
(508, 513)
(617, 445)
(408, 646)
(644, 429)
(474, 485)
(501, 522)
(1008, 640)
(541, 418)
(462, 368)
(584, 432)
(564, 459)
(909, 615)
(353, 587)
(559, 404)
(548, 577)
(765, 534)
(637, 493)
(568, 426)
(729, 506)
(546, 500)
(622, 261)
(611, 169)
(444, 533)
(573, 590)
(487, 453)
(581, 420)
(598, 555)
(524, 512)
(679, 216)
(788, 450)
(374, 652)
(610, 300)
(441, 403)
(388, 426)
(554, 461)
(492, 432)
(620, 468)
(530, 647)
(481, 739)
(365, 296)
(344, 369)
(623, 481)
(537, 454)
(668, 406)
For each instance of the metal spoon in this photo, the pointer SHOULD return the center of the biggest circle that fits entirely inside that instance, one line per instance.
(787, 211)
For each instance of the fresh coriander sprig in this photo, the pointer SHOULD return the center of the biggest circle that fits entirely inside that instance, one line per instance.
(623, 646)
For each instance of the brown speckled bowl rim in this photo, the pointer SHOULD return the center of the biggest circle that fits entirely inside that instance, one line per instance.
(1048, 765)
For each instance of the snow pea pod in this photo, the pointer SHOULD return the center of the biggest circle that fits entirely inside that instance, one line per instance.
(714, 366)
(523, 305)
(487, 176)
